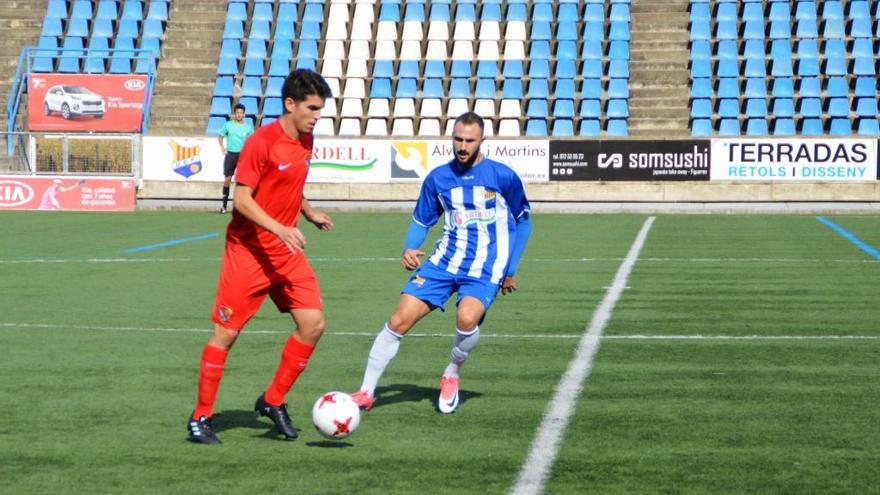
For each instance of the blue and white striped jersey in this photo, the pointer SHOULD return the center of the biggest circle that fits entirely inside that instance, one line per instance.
(480, 208)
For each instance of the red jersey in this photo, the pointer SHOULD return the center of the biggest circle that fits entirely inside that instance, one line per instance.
(275, 166)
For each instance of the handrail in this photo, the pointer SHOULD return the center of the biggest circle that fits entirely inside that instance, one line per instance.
(23, 71)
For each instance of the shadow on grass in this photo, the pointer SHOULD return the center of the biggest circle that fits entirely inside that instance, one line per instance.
(228, 420)
(393, 394)
(329, 444)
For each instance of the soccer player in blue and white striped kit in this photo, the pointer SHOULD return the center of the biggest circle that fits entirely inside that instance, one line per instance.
(486, 227)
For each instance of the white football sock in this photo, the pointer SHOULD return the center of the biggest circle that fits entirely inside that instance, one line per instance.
(381, 354)
(464, 343)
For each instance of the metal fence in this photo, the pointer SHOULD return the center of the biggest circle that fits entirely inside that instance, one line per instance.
(74, 154)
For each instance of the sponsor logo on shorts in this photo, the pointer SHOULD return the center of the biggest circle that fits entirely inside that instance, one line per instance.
(225, 313)
(418, 281)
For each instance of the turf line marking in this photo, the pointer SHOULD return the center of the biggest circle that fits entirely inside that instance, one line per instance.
(372, 260)
(864, 246)
(545, 447)
(174, 242)
(545, 336)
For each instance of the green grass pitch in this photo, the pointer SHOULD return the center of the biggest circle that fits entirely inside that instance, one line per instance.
(743, 357)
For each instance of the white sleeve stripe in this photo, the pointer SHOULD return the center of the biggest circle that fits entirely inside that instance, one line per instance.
(523, 213)
(420, 223)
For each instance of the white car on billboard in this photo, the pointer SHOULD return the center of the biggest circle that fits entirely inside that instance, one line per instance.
(73, 101)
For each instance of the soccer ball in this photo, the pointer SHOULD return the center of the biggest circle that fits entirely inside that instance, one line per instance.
(336, 415)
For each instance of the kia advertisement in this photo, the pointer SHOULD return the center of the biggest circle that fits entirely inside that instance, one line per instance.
(66, 193)
(813, 160)
(85, 102)
(686, 160)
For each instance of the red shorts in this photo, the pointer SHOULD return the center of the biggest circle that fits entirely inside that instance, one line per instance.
(246, 279)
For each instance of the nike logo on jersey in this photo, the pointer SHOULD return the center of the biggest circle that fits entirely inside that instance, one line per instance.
(468, 177)
(284, 166)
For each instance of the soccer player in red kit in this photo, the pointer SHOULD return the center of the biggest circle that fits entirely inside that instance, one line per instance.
(264, 255)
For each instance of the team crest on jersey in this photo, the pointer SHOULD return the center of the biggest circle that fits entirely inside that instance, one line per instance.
(463, 218)
(490, 194)
(224, 313)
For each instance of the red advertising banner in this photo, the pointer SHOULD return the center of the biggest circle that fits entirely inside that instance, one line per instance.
(66, 193)
(86, 102)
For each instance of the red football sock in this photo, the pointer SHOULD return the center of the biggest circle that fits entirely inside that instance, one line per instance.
(294, 359)
(213, 361)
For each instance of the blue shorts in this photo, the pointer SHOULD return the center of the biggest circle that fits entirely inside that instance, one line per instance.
(434, 286)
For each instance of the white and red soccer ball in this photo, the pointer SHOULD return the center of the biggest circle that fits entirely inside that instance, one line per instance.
(336, 415)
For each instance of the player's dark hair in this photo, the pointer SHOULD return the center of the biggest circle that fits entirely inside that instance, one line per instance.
(304, 82)
(239, 106)
(469, 118)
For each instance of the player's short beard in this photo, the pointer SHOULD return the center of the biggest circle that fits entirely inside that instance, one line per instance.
(468, 164)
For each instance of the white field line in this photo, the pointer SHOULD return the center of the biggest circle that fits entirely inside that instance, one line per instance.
(536, 468)
(23, 261)
(536, 336)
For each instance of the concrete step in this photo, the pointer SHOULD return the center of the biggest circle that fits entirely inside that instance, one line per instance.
(665, 56)
(659, 6)
(637, 46)
(680, 77)
(658, 65)
(657, 123)
(659, 93)
(194, 7)
(659, 133)
(638, 113)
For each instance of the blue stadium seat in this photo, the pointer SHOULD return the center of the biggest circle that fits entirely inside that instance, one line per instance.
(869, 127)
(596, 13)
(287, 13)
(701, 108)
(832, 10)
(307, 49)
(701, 88)
(272, 107)
(459, 88)
(728, 108)
(755, 88)
(79, 28)
(591, 88)
(784, 127)
(487, 69)
(539, 69)
(274, 86)
(565, 108)
(537, 108)
(254, 67)
(699, 12)
(590, 109)
(618, 31)
(567, 13)
(461, 68)
(840, 127)
(565, 88)
(866, 107)
(783, 87)
(536, 127)
(810, 87)
(812, 127)
(384, 68)
(409, 69)
(589, 127)
(256, 49)
(757, 127)
(485, 89)
(563, 127)
(516, 12)
(407, 88)
(810, 107)
(512, 68)
(220, 106)
(592, 50)
(435, 68)
(617, 127)
(158, 11)
(133, 9)
(414, 12)
(223, 86)
(805, 11)
(233, 29)
(837, 87)
(465, 12)
(726, 12)
(617, 109)
(728, 87)
(215, 125)
(701, 127)
(512, 89)
(618, 68)
(618, 50)
(314, 12)
(729, 127)
(153, 29)
(783, 107)
(538, 88)
(103, 28)
(107, 10)
(543, 12)
(595, 31)
(380, 88)
(618, 88)
(280, 66)
(865, 87)
(52, 27)
(756, 108)
(389, 12)
(490, 12)
(433, 88)
(56, 9)
(807, 28)
(309, 30)
(251, 86)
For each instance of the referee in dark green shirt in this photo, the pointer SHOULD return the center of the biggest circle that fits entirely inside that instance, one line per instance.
(236, 131)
